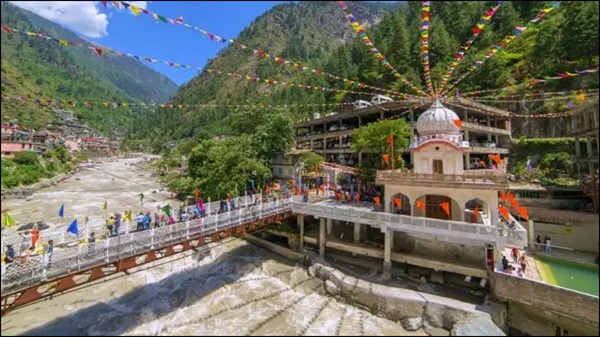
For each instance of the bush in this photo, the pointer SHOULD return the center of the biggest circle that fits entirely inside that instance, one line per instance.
(26, 158)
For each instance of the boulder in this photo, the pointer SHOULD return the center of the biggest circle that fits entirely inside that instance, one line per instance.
(412, 324)
(331, 288)
(476, 326)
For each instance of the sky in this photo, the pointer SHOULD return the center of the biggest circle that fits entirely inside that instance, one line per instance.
(123, 31)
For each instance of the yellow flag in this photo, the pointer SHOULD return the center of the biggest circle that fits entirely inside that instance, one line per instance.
(105, 208)
(581, 96)
(135, 10)
(64, 43)
(127, 216)
(7, 220)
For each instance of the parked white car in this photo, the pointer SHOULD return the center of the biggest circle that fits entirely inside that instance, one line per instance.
(360, 104)
(380, 99)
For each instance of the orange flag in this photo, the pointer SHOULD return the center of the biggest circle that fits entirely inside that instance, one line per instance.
(482, 163)
(504, 211)
(476, 210)
(523, 213)
(420, 205)
(503, 196)
(446, 207)
(398, 202)
(496, 158)
(386, 158)
(390, 139)
(377, 201)
(458, 123)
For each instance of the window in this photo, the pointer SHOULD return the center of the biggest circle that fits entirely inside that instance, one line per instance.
(438, 166)
(280, 171)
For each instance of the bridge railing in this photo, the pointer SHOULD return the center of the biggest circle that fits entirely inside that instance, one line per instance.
(32, 270)
(61, 236)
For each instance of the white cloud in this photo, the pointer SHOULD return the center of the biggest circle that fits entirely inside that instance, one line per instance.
(83, 17)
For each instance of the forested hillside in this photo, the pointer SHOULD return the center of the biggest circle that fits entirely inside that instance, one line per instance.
(318, 35)
(35, 68)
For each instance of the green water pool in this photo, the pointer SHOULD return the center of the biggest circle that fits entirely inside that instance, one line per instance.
(580, 277)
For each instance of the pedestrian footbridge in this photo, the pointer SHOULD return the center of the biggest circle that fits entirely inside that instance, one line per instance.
(75, 262)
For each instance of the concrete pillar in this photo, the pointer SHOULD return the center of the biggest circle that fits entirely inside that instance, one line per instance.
(359, 121)
(412, 115)
(360, 155)
(578, 155)
(381, 115)
(497, 141)
(301, 225)
(462, 209)
(340, 142)
(357, 232)
(467, 161)
(465, 116)
(329, 226)
(493, 211)
(322, 237)
(387, 254)
(590, 155)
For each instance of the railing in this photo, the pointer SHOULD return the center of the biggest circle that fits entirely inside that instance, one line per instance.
(20, 274)
(61, 237)
(473, 177)
(488, 129)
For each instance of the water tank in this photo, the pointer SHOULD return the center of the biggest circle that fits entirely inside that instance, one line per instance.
(316, 115)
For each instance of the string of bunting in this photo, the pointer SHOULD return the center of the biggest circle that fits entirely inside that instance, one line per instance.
(103, 51)
(92, 104)
(477, 29)
(257, 52)
(515, 115)
(580, 95)
(505, 42)
(539, 94)
(425, 17)
(534, 82)
(360, 32)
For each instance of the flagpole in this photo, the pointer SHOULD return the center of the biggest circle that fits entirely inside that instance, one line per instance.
(393, 156)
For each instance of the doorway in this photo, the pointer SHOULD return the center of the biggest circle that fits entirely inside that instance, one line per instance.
(438, 166)
(434, 210)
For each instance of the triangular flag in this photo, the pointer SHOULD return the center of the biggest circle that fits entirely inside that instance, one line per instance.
(377, 201)
(135, 9)
(420, 205)
(446, 207)
(386, 158)
(167, 210)
(73, 227)
(390, 139)
(105, 207)
(8, 221)
(504, 211)
(458, 123)
(61, 211)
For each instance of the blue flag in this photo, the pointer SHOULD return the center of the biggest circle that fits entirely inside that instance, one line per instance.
(198, 210)
(61, 211)
(73, 227)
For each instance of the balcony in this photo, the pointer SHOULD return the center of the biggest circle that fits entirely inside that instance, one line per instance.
(485, 149)
(470, 179)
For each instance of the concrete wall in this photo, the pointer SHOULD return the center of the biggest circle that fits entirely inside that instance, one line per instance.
(433, 248)
(570, 305)
(451, 157)
(282, 251)
(560, 216)
(581, 237)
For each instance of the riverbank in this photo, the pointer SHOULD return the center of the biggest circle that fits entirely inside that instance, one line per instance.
(117, 180)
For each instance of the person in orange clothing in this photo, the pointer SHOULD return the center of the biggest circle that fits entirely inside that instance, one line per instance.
(35, 235)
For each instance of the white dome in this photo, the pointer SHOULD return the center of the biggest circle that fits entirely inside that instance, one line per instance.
(437, 120)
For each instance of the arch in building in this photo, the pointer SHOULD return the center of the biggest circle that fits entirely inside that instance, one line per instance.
(404, 202)
(432, 205)
(481, 205)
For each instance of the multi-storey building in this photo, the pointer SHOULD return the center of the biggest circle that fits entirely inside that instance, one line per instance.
(486, 129)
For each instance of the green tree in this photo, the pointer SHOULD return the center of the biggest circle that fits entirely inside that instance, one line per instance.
(312, 161)
(374, 137)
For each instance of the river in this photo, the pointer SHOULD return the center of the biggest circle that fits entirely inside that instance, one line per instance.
(227, 288)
